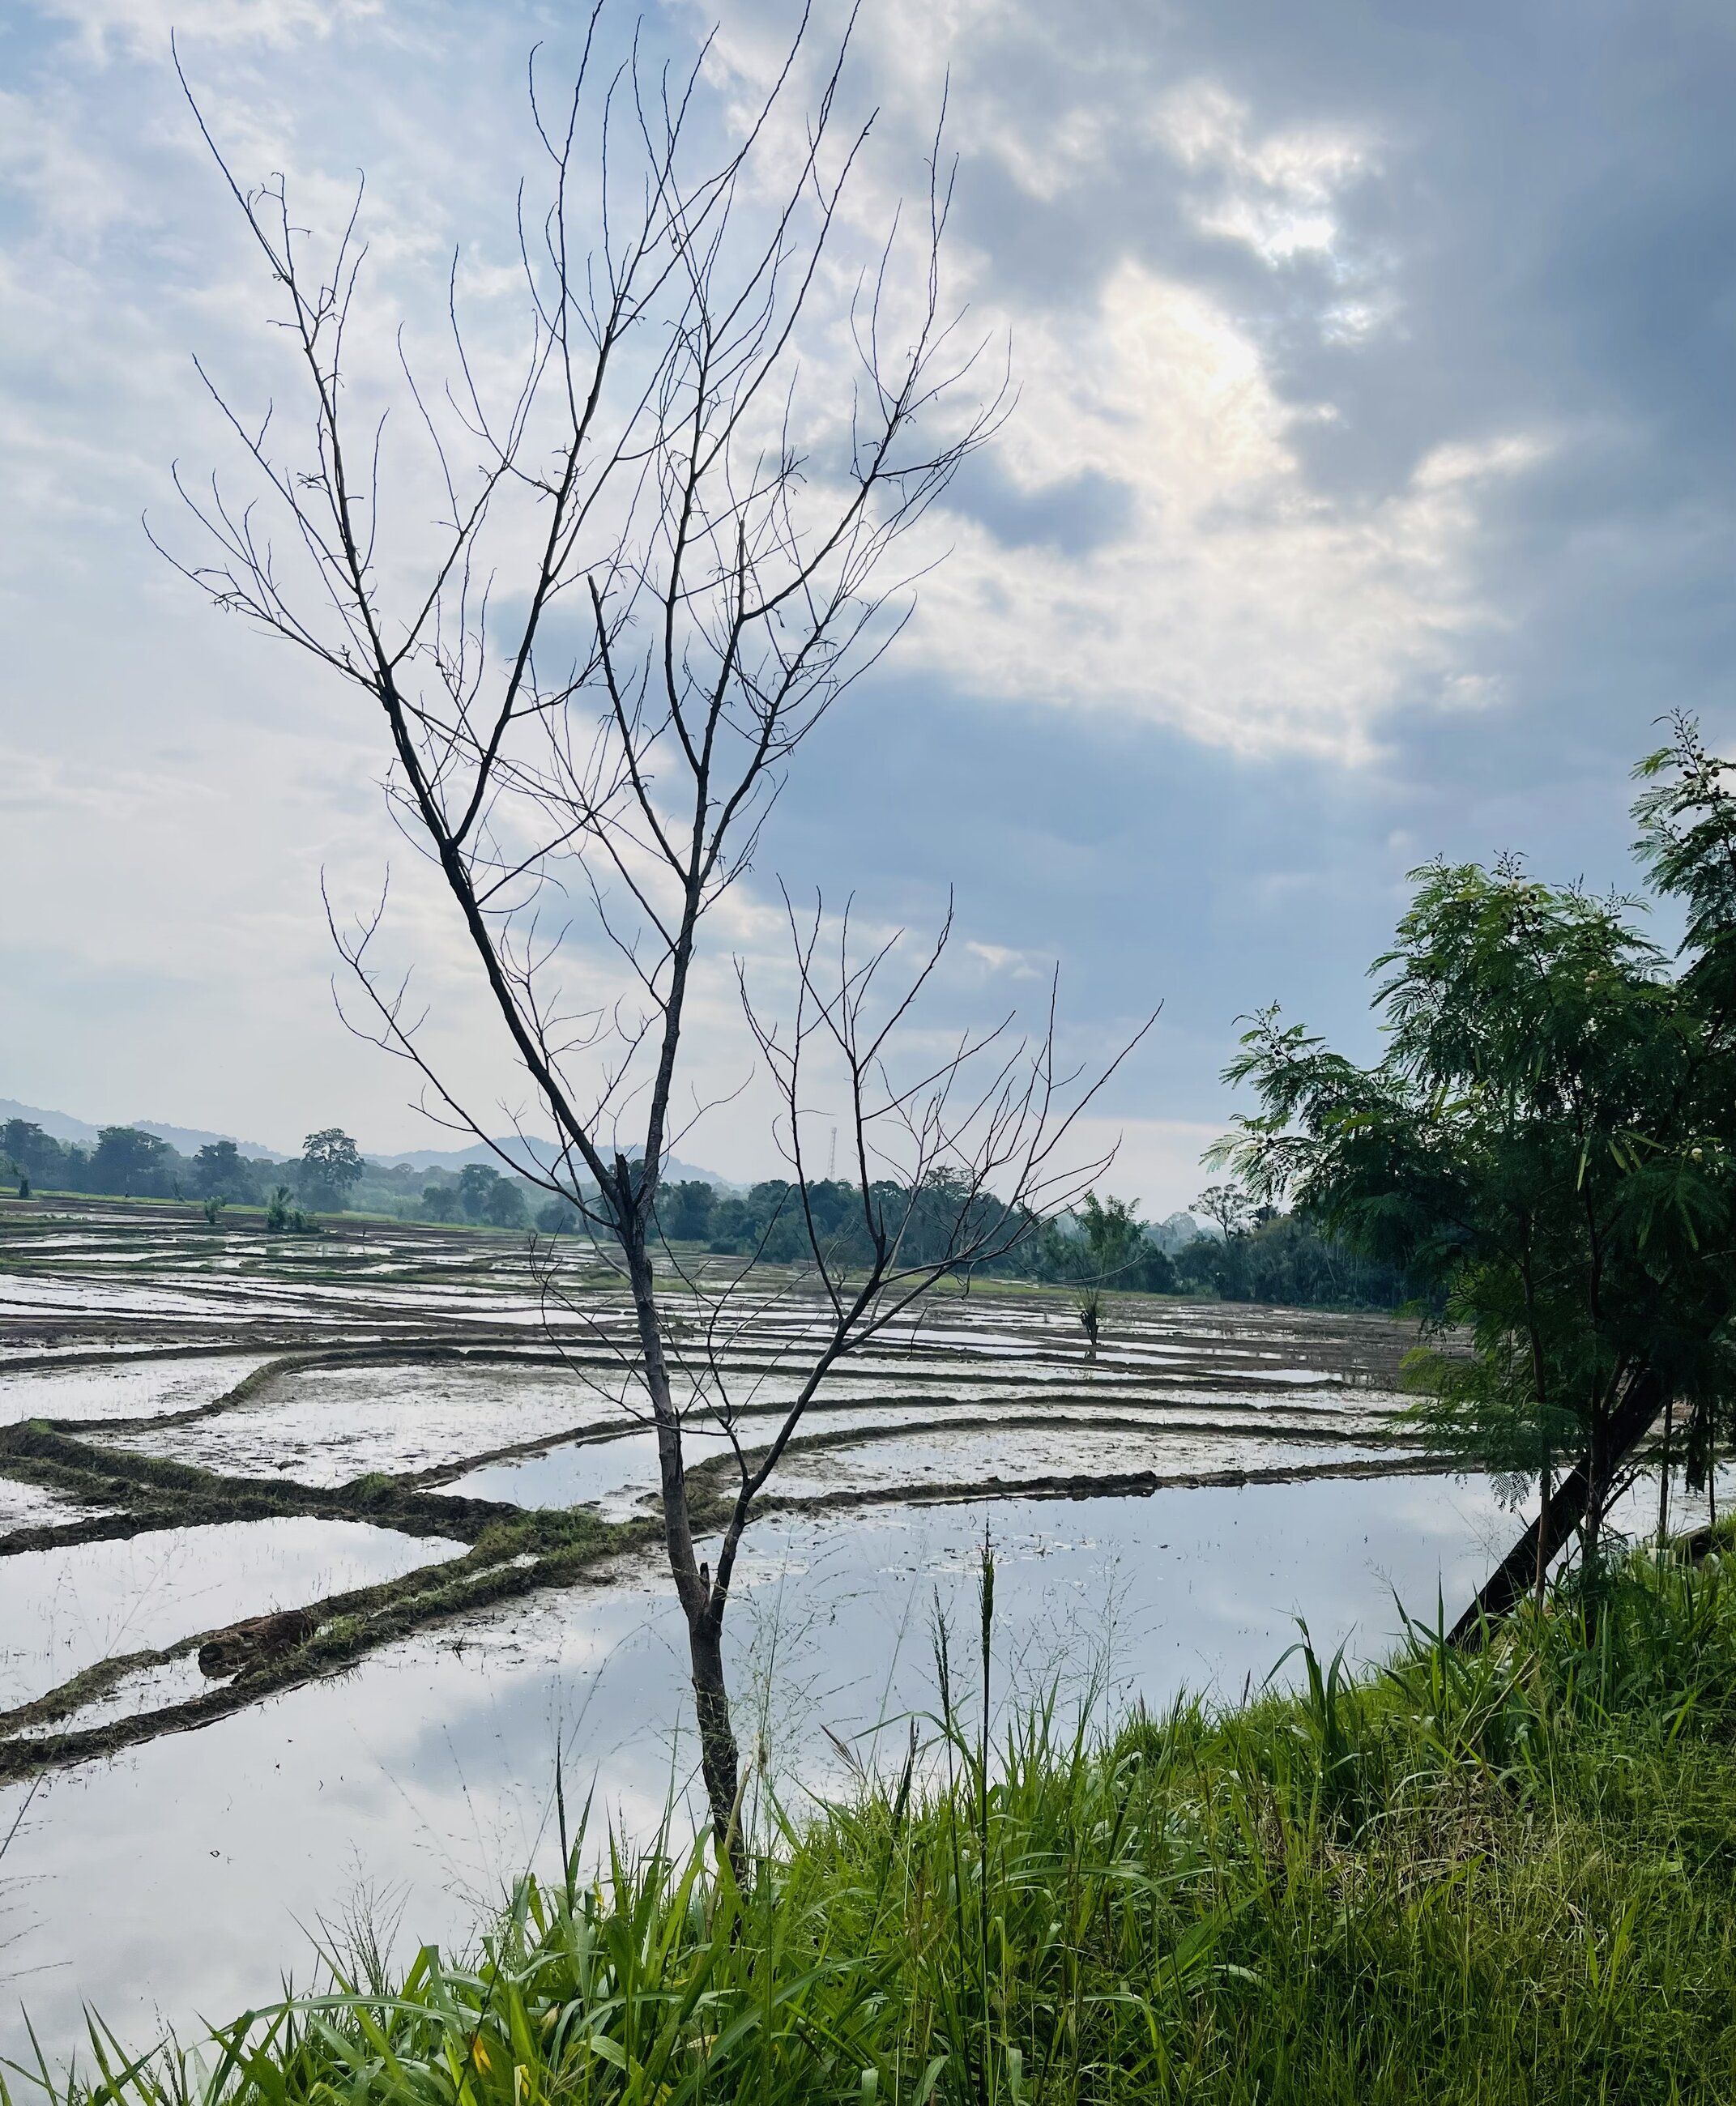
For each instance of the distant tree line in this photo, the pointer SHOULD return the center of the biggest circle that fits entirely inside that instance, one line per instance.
(479, 1193)
(123, 1160)
(1256, 1255)
(328, 1176)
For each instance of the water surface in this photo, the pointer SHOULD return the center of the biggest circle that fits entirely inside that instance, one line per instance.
(416, 1785)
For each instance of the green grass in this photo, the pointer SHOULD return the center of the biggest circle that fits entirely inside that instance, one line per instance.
(1499, 1876)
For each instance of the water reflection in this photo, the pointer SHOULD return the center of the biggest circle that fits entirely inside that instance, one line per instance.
(423, 1780)
(63, 1609)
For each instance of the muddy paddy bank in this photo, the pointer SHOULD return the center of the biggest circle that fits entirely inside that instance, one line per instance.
(314, 1552)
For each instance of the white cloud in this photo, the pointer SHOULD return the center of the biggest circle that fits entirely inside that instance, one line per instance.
(146, 25)
(1002, 958)
(1244, 607)
(1275, 194)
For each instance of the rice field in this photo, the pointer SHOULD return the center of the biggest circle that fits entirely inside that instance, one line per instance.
(166, 1383)
(316, 1553)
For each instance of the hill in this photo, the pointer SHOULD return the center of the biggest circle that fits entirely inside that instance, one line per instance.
(62, 1125)
(529, 1155)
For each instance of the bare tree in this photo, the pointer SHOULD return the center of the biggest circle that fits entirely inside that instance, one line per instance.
(700, 562)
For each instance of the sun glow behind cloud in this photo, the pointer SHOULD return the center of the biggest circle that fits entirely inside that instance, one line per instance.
(1241, 606)
(1235, 600)
(1278, 512)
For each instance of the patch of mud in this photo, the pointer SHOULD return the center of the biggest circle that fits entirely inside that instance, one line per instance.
(327, 1426)
(152, 1688)
(612, 1476)
(35, 1506)
(1007, 1456)
(130, 1390)
(63, 1611)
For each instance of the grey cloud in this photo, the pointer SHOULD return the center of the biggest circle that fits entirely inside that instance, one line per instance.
(1076, 517)
(1547, 225)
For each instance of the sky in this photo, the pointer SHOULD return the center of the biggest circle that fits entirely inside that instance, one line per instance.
(1367, 495)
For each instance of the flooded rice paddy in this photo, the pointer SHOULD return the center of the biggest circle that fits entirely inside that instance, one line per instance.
(316, 1554)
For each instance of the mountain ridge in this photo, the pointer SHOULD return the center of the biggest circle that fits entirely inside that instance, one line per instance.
(530, 1153)
(64, 1126)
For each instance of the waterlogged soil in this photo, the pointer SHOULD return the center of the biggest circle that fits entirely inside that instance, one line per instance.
(168, 1380)
(93, 1390)
(63, 1611)
(382, 1430)
(1020, 1458)
(414, 1787)
(24, 1507)
(617, 1477)
(328, 1425)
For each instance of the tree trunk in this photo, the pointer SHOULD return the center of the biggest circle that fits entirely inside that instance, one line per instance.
(1663, 1477)
(702, 1603)
(719, 1759)
(1567, 1508)
(1596, 1468)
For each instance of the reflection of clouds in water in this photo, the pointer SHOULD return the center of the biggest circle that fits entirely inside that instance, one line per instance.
(327, 1426)
(64, 1610)
(1107, 1601)
(129, 1390)
(428, 1769)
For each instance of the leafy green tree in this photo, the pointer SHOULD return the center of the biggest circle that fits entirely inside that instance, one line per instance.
(220, 1171)
(481, 1195)
(476, 1181)
(684, 1211)
(1543, 1146)
(1111, 1232)
(282, 1214)
(1229, 1207)
(733, 1225)
(36, 1157)
(330, 1165)
(503, 1206)
(1687, 842)
(131, 1161)
(1286, 1260)
(440, 1201)
(1104, 1244)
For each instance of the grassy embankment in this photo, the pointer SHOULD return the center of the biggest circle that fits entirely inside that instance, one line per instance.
(1502, 1876)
